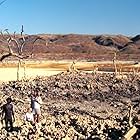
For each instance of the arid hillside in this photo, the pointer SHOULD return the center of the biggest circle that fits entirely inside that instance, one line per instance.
(79, 47)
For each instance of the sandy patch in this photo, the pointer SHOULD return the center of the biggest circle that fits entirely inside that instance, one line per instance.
(7, 74)
(8, 69)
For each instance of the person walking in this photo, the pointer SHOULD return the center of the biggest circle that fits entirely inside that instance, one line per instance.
(8, 114)
(36, 102)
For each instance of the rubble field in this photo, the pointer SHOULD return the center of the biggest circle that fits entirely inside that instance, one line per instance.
(77, 106)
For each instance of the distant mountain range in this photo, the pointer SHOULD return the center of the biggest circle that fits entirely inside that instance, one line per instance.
(79, 47)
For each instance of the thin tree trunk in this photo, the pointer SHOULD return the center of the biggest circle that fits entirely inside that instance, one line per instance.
(18, 70)
(114, 63)
(24, 70)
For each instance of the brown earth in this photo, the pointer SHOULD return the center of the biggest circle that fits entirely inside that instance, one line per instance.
(80, 47)
(77, 105)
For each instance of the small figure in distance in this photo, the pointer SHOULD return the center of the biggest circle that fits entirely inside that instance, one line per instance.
(29, 116)
(36, 102)
(8, 114)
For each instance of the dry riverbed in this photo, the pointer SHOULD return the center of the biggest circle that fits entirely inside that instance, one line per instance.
(31, 69)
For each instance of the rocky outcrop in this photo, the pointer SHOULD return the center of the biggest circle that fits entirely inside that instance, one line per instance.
(76, 105)
(136, 39)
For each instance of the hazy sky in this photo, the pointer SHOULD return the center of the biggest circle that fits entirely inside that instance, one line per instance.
(71, 16)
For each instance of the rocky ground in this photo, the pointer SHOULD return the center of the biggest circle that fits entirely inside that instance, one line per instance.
(76, 106)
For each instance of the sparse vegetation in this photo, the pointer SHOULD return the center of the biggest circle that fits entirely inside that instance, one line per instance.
(16, 47)
(102, 104)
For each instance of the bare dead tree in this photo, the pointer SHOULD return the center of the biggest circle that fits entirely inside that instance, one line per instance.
(114, 63)
(72, 67)
(2, 2)
(95, 69)
(12, 40)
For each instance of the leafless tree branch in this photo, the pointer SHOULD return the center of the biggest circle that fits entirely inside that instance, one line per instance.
(11, 40)
(2, 2)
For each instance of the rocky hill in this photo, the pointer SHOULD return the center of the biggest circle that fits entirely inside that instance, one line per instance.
(74, 46)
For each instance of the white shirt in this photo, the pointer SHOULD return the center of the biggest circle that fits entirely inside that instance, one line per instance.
(37, 102)
(29, 117)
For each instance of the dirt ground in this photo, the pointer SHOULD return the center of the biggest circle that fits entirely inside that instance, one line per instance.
(81, 100)
(31, 69)
(77, 106)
